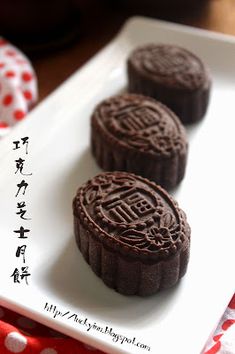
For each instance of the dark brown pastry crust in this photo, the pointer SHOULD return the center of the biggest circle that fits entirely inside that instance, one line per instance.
(137, 134)
(131, 232)
(172, 75)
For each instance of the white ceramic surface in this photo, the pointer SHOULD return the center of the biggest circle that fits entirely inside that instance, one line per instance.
(175, 321)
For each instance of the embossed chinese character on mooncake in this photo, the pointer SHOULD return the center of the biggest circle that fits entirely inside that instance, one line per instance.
(131, 232)
(172, 75)
(137, 134)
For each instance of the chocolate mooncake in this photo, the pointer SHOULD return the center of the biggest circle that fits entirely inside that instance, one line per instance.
(131, 232)
(137, 134)
(172, 75)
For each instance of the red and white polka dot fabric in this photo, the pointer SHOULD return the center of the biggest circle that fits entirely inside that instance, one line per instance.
(19, 334)
(223, 340)
(18, 86)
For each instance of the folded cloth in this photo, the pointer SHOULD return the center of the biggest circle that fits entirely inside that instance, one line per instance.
(18, 86)
(223, 339)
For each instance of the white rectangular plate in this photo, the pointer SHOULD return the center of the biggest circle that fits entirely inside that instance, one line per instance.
(175, 321)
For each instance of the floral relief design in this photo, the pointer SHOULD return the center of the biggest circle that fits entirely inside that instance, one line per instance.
(91, 194)
(134, 238)
(171, 63)
(162, 235)
(103, 183)
(142, 220)
(142, 124)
